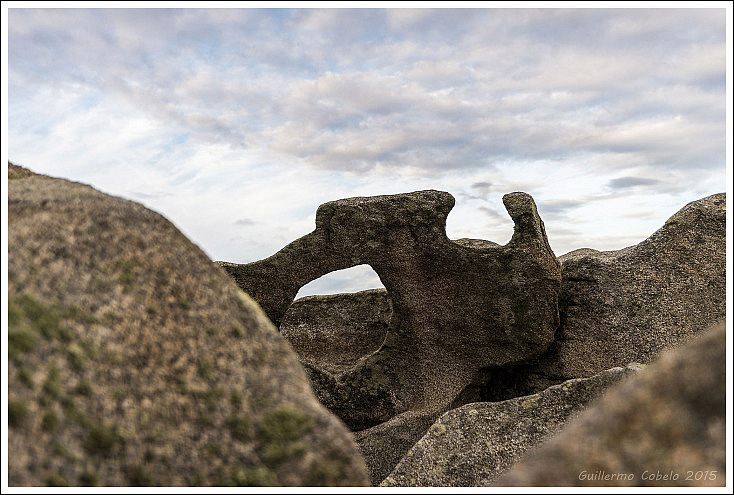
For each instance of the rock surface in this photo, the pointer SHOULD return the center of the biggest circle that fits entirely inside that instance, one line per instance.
(664, 427)
(620, 306)
(507, 297)
(617, 307)
(333, 332)
(134, 361)
(478, 442)
(384, 445)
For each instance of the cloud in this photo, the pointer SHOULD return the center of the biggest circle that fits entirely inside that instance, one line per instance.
(497, 84)
(245, 222)
(559, 207)
(221, 117)
(482, 189)
(146, 195)
(357, 278)
(491, 212)
(627, 182)
(459, 100)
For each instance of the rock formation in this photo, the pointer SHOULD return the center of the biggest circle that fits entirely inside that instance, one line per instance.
(134, 361)
(456, 308)
(617, 307)
(664, 427)
(478, 442)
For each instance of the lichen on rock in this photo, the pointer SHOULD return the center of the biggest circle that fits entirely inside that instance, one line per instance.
(629, 305)
(666, 426)
(477, 442)
(134, 361)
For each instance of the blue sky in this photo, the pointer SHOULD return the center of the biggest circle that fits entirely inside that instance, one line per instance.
(237, 123)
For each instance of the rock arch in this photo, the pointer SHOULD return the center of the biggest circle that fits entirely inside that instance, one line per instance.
(457, 306)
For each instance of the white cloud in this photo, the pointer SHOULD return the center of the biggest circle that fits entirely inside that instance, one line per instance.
(213, 116)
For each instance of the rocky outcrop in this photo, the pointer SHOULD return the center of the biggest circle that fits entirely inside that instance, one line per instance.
(617, 307)
(664, 427)
(134, 361)
(477, 442)
(624, 306)
(506, 295)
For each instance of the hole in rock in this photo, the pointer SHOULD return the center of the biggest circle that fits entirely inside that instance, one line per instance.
(484, 220)
(354, 279)
(341, 322)
(503, 383)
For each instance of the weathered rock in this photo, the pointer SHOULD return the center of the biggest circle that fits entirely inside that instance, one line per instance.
(133, 360)
(333, 332)
(456, 308)
(664, 427)
(617, 307)
(478, 442)
(385, 444)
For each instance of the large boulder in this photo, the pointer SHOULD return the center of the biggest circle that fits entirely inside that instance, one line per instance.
(478, 442)
(506, 295)
(617, 307)
(664, 427)
(134, 361)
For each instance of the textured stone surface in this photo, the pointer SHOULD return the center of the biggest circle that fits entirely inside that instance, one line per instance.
(133, 360)
(385, 444)
(479, 441)
(617, 307)
(456, 308)
(333, 332)
(664, 427)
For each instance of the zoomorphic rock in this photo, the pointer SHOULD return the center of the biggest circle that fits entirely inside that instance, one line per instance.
(134, 361)
(456, 308)
(664, 427)
(478, 442)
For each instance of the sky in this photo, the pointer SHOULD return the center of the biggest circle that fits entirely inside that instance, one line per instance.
(235, 124)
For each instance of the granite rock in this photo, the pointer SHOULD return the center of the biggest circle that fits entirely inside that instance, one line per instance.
(507, 297)
(478, 442)
(664, 427)
(134, 361)
(333, 332)
(624, 306)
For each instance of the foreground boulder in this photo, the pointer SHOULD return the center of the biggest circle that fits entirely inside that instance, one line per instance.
(455, 308)
(618, 307)
(384, 445)
(664, 427)
(134, 361)
(477, 442)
